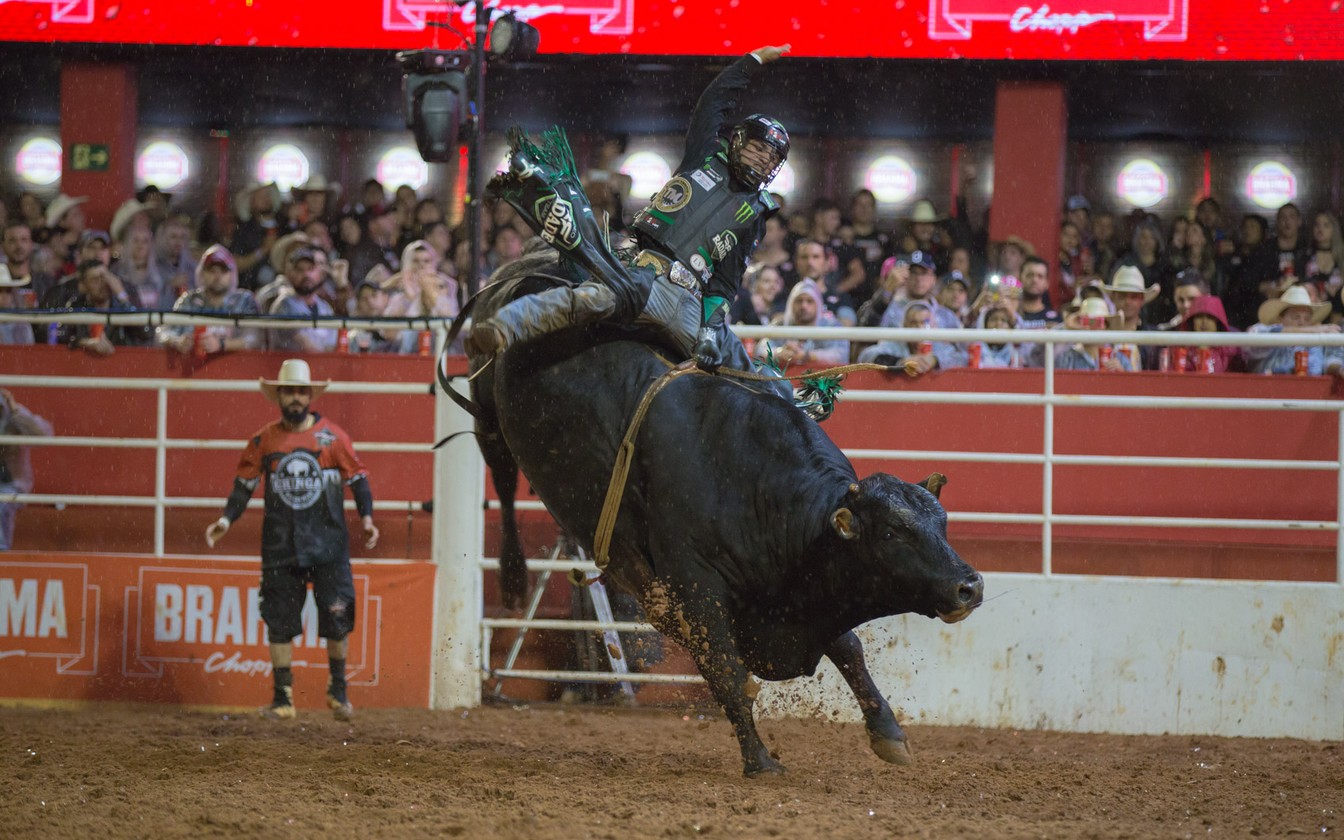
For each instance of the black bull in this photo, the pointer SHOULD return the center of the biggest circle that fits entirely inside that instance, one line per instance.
(744, 531)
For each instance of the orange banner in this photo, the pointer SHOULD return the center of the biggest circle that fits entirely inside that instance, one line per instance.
(189, 631)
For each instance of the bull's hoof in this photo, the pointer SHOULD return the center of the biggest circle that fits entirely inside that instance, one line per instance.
(892, 750)
(765, 765)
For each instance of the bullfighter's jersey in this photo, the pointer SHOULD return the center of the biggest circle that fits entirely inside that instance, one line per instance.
(702, 217)
(306, 474)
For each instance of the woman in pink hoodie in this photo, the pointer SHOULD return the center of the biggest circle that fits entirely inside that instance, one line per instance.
(1206, 314)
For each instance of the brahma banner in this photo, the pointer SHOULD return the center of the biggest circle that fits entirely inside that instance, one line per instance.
(189, 631)
(985, 29)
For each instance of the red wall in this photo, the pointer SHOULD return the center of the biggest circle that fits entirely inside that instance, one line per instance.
(1136, 491)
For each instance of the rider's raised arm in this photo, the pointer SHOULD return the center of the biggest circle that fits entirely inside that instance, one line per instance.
(719, 100)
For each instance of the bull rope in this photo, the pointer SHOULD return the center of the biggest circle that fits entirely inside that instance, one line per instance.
(625, 455)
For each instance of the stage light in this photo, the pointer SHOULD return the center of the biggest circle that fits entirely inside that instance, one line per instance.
(511, 38)
(434, 86)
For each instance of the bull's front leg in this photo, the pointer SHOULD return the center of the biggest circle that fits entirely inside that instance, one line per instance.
(699, 620)
(884, 733)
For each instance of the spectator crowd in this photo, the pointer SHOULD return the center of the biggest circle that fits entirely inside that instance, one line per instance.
(376, 254)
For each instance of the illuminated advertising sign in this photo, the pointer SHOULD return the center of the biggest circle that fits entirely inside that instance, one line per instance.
(1271, 185)
(980, 29)
(891, 179)
(648, 172)
(162, 164)
(39, 161)
(785, 182)
(1142, 183)
(285, 164)
(403, 165)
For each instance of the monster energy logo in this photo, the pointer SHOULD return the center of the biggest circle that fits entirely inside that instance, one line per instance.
(744, 212)
(557, 222)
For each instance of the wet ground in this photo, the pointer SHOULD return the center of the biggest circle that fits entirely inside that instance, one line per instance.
(553, 772)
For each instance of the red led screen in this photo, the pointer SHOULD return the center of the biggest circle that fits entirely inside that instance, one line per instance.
(986, 29)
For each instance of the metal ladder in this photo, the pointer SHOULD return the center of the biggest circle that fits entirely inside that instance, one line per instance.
(601, 608)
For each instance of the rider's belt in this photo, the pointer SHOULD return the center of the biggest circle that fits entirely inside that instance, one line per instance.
(676, 273)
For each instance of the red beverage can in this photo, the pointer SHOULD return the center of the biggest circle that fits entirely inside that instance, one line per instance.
(1104, 353)
(1300, 363)
(342, 340)
(1204, 360)
(426, 342)
(1180, 357)
(1164, 359)
(925, 348)
(974, 360)
(198, 341)
(95, 330)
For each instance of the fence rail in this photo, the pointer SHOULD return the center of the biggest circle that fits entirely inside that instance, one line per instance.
(1048, 400)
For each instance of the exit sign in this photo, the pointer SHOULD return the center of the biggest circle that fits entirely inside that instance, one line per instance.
(89, 157)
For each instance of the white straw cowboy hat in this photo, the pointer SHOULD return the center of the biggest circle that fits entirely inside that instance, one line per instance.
(1090, 309)
(279, 255)
(61, 205)
(1271, 311)
(242, 203)
(923, 212)
(317, 183)
(1129, 279)
(7, 280)
(121, 219)
(294, 373)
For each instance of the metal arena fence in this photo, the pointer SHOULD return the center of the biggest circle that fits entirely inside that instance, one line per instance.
(459, 473)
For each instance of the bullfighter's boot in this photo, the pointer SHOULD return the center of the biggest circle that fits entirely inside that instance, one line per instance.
(533, 316)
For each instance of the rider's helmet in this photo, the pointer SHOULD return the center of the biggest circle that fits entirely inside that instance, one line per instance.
(768, 131)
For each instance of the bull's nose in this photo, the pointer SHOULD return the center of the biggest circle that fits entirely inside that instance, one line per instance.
(971, 591)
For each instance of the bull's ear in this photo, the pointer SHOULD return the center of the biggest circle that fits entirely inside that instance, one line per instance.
(843, 523)
(934, 483)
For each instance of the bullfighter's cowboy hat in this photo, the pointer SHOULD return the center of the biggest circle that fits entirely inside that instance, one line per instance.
(1271, 311)
(294, 373)
(1129, 279)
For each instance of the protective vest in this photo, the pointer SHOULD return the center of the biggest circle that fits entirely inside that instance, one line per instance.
(699, 218)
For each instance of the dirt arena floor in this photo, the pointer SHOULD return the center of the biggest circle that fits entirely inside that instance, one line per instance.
(563, 772)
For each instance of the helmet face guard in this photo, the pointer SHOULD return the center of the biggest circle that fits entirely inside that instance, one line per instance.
(769, 132)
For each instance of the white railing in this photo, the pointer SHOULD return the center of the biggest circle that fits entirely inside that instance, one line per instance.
(161, 443)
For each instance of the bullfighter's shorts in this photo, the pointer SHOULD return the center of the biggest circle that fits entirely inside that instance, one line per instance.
(284, 588)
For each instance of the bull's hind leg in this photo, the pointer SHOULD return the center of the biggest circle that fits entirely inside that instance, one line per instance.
(884, 733)
(695, 616)
(504, 473)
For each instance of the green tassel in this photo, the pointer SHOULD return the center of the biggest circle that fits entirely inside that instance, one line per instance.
(817, 395)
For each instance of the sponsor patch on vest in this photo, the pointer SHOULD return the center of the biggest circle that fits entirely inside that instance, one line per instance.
(674, 195)
(557, 222)
(744, 213)
(706, 178)
(698, 263)
(723, 243)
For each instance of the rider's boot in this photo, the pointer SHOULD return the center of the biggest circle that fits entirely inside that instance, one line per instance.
(533, 316)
